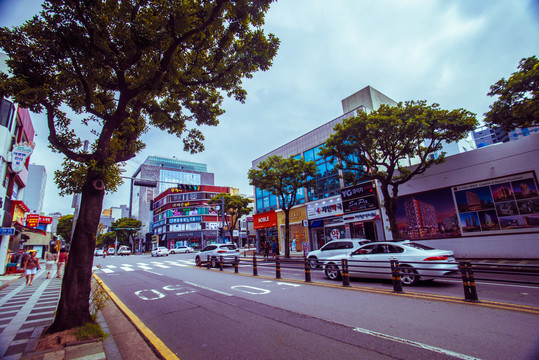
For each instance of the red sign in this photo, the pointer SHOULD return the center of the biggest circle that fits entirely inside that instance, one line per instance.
(45, 220)
(32, 220)
(265, 220)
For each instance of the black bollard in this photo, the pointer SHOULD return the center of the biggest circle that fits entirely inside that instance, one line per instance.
(255, 268)
(236, 264)
(307, 271)
(396, 276)
(208, 264)
(277, 267)
(345, 273)
(221, 263)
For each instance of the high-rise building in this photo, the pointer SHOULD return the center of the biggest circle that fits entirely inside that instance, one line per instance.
(34, 192)
(165, 173)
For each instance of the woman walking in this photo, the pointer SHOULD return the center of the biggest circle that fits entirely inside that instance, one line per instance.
(51, 257)
(31, 265)
(62, 261)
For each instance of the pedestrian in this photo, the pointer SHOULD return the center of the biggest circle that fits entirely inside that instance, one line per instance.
(105, 251)
(275, 248)
(31, 265)
(51, 257)
(266, 250)
(62, 262)
(24, 256)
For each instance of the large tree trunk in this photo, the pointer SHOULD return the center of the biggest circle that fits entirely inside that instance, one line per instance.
(73, 308)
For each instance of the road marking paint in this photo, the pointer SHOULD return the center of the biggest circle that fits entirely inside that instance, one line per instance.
(108, 271)
(111, 266)
(125, 268)
(416, 344)
(210, 289)
(254, 290)
(127, 265)
(489, 283)
(151, 291)
(144, 267)
(283, 283)
(162, 266)
(161, 348)
(153, 272)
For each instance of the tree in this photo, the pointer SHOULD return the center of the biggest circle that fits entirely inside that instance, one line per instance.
(65, 227)
(106, 239)
(380, 144)
(235, 207)
(123, 66)
(125, 229)
(518, 98)
(283, 177)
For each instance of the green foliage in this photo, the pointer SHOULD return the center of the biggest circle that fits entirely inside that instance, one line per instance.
(98, 299)
(518, 98)
(106, 239)
(90, 331)
(380, 144)
(121, 226)
(64, 227)
(235, 206)
(283, 177)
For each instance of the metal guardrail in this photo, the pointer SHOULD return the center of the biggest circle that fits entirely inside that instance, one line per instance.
(465, 270)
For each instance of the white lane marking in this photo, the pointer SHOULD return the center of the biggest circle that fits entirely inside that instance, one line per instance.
(210, 289)
(157, 294)
(162, 266)
(127, 265)
(144, 267)
(175, 264)
(489, 283)
(250, 290)
(416, 344)
(111, 266)
(108, 271)
(126, 268)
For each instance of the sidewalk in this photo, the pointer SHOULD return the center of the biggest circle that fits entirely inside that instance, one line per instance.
(27, 310)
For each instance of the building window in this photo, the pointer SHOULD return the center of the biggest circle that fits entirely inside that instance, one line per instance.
(327, 175)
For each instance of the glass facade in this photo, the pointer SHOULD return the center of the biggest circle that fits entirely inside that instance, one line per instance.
(168, 179)
(327, 175)
(265, 201)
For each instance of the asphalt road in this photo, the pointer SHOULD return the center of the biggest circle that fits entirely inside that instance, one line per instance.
(201, 314)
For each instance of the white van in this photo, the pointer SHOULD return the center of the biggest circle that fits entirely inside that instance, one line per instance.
(124, 250)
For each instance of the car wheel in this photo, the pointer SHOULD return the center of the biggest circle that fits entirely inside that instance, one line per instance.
(408, 275)
(313, 262)
(197, 261)
(151, 254)
(172, 252)
(332, 272)
(214, 263)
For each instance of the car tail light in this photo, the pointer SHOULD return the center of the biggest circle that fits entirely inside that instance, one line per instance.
(436, 258)
(221, 251)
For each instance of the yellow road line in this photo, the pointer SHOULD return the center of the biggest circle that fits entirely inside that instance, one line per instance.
(163, 350)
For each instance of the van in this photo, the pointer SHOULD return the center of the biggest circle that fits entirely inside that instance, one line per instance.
(124, 250)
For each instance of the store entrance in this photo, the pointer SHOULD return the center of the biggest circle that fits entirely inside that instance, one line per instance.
(365, 229)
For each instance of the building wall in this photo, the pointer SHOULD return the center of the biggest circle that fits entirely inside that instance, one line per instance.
(34, 193)
(482, 164)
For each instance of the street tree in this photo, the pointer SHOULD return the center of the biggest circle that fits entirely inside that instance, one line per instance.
(105, 240)
(125, 229)
(64, 227)
(235, 207)
(381, 144)
(118, 68)
(283, 177)
(518, 98)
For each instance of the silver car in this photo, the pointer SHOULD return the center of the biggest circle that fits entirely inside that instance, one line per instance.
(416, 262)
(333, 248)
(215, 251)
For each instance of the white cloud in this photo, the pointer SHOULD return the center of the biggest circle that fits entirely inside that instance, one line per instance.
(448, 52)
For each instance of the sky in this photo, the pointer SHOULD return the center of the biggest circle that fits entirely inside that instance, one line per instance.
(447, 52)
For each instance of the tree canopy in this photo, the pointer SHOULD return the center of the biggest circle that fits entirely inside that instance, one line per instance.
(518, 98)
(65, 227)
(125, 228)
(382, 144)
(235, 206)
(119, 67)
(283, 177)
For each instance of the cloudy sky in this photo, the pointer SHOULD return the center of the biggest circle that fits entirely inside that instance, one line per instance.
(447, 52)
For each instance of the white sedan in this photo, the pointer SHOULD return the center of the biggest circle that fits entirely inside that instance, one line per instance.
(416, 262)
(160, 251)
(181, 249)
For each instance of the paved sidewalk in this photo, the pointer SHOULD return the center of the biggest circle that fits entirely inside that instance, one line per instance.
(25, 311)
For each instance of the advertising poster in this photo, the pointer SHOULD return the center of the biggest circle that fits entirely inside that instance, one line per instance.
(498, 206)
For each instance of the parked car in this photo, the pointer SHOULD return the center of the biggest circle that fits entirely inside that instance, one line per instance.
(124, 250)
(110, 251)
(181, 249)
(98, 252)
(160, 251)
(416, 262)
(215, 251)
(333, 248)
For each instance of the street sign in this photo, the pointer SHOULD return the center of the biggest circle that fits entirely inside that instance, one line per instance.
(7, 231)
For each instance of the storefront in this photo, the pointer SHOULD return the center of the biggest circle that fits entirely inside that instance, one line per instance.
(361, 212)
(299, 234)
(265, 225)
(325, 221)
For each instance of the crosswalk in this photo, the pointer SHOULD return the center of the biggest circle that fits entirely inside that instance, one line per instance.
(144, 266)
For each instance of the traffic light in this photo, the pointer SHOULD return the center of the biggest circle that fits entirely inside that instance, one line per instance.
(220, 232)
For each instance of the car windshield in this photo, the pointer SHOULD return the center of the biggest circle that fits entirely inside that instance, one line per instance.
(228, 247)
(419, 246)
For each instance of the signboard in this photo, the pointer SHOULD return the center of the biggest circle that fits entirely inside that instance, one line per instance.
(325, 208)
(265, 220)
(7, 231)
(361, 197)
(45, 220)
(19, 154)
(32, 220)
(186, 219)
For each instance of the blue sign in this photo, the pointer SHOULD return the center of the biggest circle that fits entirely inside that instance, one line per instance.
(7, 231)
(186, 219)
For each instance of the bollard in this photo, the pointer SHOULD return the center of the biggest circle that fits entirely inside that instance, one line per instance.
(208, 264)
(307, 271)
(255, 268)
(345, 273)
(396, 276)
(221, 263)
(236, 264)
(468, 281)
(277, 267)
